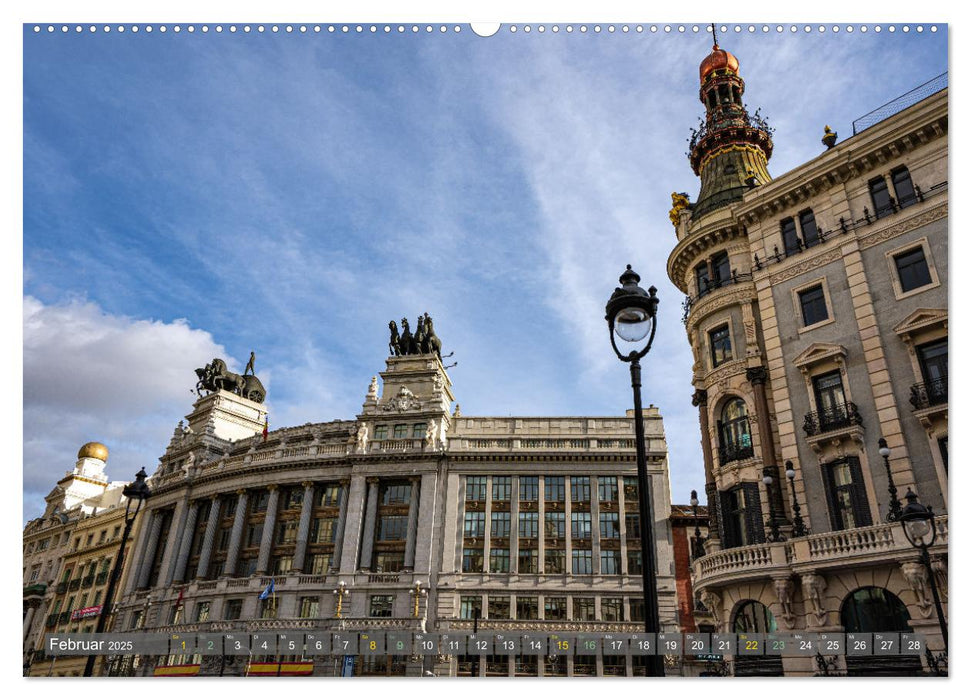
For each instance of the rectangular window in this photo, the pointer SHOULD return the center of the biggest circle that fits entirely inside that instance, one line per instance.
(234, 608)
(612, 609)
(807, 224)
(280, 566)
(292, 498)
(393, 527)
(580, 489)
(583, 609)
(328, 495)
(607, 489)
(812, 301)
(260, 501)
(323, 530)
(846, 494)
(633, 561)
(474, 524)
(475, 488)
(580, 526)
(529, 488)
(742, 516)
(501, 488)
(319, 564)
(630, 492)
(390, 561)
(500, 524)
(830, 401)
(933, 368)
(881, 197)
(472, 560)
(499, 561)
(286, 532)
(254, 533)
(401, 431)
(555, 561)
(555, 525)
(609, 561)
(637, 609)
(309, 607)
(529, 524)
(202, 611)
(470, 607)
(632, 523)
(527, 608)
(609, 526)
(720, 342)
(499, 607)
(721, 269)
(246, 567)
(555, 489)
(582, 561)
(554, 608)
(701, 279)
(381, 432)
(790, 239)
(222, 542)
(418, 430)
(392, 494)
(903, 187)
(912, 269)
(528, 561)
(380, 606)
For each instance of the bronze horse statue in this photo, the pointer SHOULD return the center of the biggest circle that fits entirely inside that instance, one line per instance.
(422, 342)
(394, 345)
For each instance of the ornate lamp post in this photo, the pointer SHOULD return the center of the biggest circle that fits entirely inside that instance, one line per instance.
(418, 592)
(774, 535)
(921, 531)
(632, 316)
(135, 493)
(341, 591)
(798, 527)
(894, 513)
(696, 545)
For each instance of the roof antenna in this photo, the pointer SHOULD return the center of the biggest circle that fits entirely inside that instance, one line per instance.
(714, 35)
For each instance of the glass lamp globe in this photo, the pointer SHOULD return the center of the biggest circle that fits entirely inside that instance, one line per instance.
(790, 472)
(884, 449)
(767, 480)
(632, 324)
(917, 529)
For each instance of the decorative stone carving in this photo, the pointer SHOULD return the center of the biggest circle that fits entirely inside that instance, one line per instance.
(431, 433)
(362, 438)
(458, 411)
(404, 401)
(916, 576)
(783, 593)
(756, 375)
(939, 567)
(699, 398)
(713, 602)
(372, 390)
(813, 587)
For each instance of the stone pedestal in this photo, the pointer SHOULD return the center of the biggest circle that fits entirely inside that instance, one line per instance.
(226, 416)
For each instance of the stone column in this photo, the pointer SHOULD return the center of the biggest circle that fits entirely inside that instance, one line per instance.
(757, 377)
(595, 523)
(133, 571)
(487, 540)
(170, 556)
(208, 539)
(236, 535)
(568, 524)
(269, 525)
(182, 561)
(27, 620)
(426, 528)
(700, 399)
(622, 524)
(541, 507)
(514, 527)
(352, 529)
(335, 563)
(303, 530)
(151, 546)
(412, 526)
(367, 546)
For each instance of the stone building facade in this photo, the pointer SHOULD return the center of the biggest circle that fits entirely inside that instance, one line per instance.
(410, 518)
(817, 314)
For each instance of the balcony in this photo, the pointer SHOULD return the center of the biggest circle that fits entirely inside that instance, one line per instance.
(35, 589)
(51, 620)
(733, 453)
(711, 286)
(87, 581)
(61, 588)
(102, 578)
(836, 418)
(74, 585)
(928, 394)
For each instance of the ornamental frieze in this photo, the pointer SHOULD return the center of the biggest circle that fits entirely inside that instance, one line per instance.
(718, 299)
(812, 264)
(927, 217)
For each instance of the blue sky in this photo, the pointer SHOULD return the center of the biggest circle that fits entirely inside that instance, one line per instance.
(187, 196)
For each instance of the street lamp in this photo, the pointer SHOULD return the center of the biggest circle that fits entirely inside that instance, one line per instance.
(921, 531)
(894, 513)
(340, 592)
(632, 316)
(696, 547)
(798, 527)
(417, 591)
(774, 535)
(136, 492)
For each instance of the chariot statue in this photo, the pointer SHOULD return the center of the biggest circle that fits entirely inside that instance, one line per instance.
(422, 342)
(215, 376)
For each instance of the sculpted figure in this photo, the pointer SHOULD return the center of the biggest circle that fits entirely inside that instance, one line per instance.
(394, 347)
(250, 365)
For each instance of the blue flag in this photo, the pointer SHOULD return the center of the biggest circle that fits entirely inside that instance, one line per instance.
(267, 591)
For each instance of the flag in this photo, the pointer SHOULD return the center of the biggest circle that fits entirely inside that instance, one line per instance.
(266, 427)
(270, 589)
(178, 601)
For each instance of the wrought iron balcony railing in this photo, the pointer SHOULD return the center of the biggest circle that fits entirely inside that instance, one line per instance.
(74, 584)
(709, 287)
(842, 416)
(929, 394)
(87, 581)
(62, 587)
(733, 453)
(102, 578)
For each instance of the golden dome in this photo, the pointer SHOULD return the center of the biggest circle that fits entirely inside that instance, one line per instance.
(717, 60)
(95, 450)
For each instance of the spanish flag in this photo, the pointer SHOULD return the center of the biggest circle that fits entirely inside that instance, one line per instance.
(266, 427)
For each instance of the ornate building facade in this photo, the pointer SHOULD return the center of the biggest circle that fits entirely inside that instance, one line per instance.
(410, 518)
(817, 315)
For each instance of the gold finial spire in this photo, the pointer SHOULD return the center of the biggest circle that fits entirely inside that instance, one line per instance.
(714, 36)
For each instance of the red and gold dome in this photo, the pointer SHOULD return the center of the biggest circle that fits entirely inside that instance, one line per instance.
(717, 60)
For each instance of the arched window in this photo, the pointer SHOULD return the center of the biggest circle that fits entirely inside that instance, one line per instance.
(873, 609)
(753, 617)
(734, 435)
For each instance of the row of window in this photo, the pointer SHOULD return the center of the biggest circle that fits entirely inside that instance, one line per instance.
(554, 524)
(554, 561)
(400, 431)
(554, 488)
(500, 607)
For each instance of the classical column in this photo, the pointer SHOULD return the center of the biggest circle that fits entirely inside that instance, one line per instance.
(622, 524)
(412, 526)
(487, 539)
(335, 563)
(541, 540)
(303, 531)
(757, 377)
(236, 534)
(568, 523)
(151, 546)
(700, 399)
(182, 560)
(170, 555)
(514, 527)
(351, 546)
(133, 572)
(595, 522)
(208, 538)
(27, 620)
(269, 525)
(367, 547)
